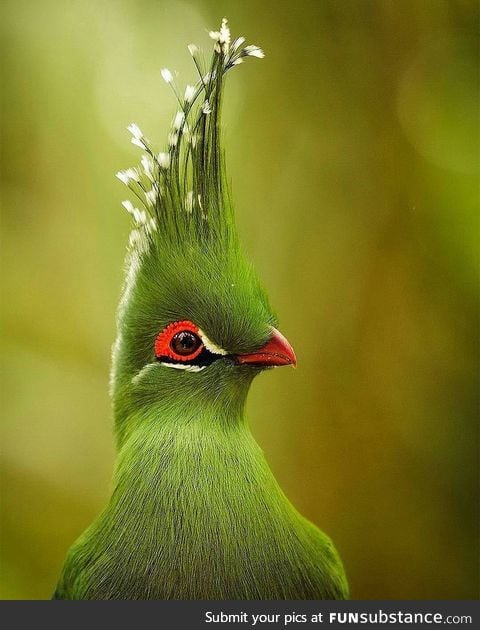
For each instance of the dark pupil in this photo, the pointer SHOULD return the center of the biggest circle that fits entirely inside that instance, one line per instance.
(185, 342)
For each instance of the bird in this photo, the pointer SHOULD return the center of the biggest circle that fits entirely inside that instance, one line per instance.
(195, 512)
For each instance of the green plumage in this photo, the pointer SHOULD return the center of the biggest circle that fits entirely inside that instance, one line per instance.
(195, 511)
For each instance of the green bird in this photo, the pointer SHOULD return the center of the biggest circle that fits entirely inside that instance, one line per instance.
(195, 512)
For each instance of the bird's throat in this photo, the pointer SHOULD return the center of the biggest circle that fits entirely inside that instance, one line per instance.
(196, 513)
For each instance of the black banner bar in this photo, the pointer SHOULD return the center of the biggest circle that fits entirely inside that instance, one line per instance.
(266, 615)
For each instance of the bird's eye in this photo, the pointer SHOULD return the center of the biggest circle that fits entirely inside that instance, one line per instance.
(179, 342)
(185, 343)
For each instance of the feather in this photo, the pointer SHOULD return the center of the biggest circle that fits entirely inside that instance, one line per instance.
(192, 200)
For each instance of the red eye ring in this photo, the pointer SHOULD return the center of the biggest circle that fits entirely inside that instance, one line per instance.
(163, 342)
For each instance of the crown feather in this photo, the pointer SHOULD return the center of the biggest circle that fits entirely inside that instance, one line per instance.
(183, 189)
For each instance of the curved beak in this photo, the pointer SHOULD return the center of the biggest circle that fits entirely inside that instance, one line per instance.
(277, 351)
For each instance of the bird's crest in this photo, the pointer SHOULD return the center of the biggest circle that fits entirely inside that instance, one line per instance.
(181, 191)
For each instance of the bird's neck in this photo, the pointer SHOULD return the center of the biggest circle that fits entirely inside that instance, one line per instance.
(165, 445)
(187, 467)
(195, 503)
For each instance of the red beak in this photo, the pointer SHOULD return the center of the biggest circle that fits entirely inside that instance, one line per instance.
(277, 351)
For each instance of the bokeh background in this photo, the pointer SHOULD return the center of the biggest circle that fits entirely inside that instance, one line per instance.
(353, 152)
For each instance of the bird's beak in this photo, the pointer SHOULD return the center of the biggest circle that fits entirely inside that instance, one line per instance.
(277, 351)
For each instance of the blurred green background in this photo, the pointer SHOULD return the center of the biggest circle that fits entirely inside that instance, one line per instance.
(353, 151)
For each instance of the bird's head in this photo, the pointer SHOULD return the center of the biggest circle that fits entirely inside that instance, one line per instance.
(194, 324)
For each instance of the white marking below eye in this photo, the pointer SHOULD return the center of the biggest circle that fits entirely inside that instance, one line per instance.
(144, 372)
(184, 366)
(210, 346)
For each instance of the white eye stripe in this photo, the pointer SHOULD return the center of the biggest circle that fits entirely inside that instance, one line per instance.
(184, 366)
(210, 346)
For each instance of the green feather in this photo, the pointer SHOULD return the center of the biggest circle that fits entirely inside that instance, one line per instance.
(195, 511)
